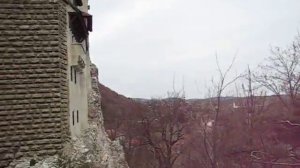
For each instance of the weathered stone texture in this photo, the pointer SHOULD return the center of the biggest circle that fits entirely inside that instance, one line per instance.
(33, 78)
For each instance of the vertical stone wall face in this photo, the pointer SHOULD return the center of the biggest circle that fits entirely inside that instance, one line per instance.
(33, 78)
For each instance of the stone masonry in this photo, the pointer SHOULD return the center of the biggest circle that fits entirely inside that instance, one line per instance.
(49, 94)
(33, 78)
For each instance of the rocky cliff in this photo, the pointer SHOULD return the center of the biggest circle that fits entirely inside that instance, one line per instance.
(92, 149)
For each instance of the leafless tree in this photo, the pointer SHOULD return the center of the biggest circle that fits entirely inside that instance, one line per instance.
(162, 128)
(254, 104)
(281, 74)
(211, 129)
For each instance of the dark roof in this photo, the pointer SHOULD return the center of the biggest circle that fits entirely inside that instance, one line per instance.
(80, 24)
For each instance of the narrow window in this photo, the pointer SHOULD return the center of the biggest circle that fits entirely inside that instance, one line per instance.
(73, 118)
(77, 2)
(75, 76)
(77, 116)
(73, 39)
(71, 72)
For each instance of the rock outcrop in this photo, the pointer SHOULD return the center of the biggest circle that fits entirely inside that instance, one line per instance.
(110, 153)
(92, 149)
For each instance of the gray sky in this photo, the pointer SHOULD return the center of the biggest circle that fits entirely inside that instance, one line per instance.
(139, 46)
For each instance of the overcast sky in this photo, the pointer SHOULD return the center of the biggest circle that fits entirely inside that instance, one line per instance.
(139, 46)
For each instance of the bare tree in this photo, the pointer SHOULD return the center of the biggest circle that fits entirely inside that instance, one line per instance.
(162, 129)
(254, 104)
(281, 74)
(254, 99)
(211, 129)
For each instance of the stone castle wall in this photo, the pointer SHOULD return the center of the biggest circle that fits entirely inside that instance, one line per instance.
(33, 78)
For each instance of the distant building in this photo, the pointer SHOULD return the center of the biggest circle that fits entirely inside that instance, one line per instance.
(44, 75)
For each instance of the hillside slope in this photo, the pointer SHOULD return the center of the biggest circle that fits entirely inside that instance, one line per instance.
(268, 129)
(116, 108)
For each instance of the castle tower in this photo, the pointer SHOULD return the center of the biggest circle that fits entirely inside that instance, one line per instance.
(44, 75)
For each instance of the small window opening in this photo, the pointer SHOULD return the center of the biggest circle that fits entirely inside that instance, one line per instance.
(77, 2)
(77, 116)
(73, 118)
(71, 73)
(75, 75)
